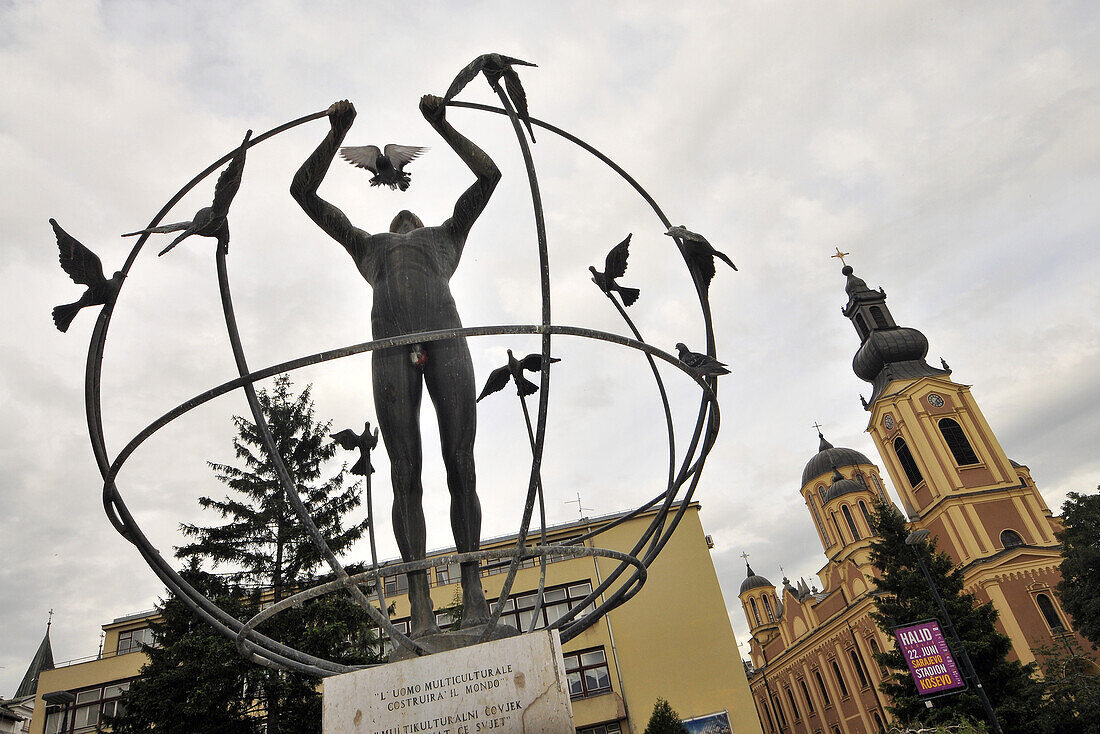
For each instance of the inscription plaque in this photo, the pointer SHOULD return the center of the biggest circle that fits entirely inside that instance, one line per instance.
(512, 685)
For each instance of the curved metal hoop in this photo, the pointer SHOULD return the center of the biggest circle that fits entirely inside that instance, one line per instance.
(263, 650)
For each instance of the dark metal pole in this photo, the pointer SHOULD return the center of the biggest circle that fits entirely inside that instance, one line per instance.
(915, 540)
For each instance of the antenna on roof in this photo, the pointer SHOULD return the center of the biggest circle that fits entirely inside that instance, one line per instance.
(580, 507)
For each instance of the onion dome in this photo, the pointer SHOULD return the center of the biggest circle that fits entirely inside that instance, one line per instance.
(753, 581)
(842, 486)
(887, 352)
(830, 457)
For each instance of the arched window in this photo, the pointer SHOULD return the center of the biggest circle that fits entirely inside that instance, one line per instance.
(755, 612)
(1023, 482)
(850, 521)
(879, 318)
(806, 695)
(768, 719)
(875, 651)
(779, 713)
(822, 688)
(839, 679)
(866, 514)
(839, 535)
(857, 662)
(878, 721)
(768, 609)
(794, 706)
(1011, 539)
(956, 441)
(862, 480)
(821, 493)
(861, 326)
(912, 472)
(1046, 606)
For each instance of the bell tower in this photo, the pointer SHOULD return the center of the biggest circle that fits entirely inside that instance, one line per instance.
(950, 470)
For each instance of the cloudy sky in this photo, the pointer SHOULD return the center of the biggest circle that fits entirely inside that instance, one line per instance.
(953, 151)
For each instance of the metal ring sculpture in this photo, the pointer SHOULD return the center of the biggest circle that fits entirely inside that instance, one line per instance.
(263, 650)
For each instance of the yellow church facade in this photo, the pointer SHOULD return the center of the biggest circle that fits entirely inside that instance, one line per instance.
(672, 640)
(812, 650)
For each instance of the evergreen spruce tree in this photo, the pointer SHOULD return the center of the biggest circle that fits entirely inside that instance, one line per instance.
(1079, 589)
(902, 596)
(194, 681)
(664, 720)
(271, 556)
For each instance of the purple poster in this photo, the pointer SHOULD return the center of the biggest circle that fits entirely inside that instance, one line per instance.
(930, 661)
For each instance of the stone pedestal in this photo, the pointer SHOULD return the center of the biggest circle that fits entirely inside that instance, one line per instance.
(515, 684)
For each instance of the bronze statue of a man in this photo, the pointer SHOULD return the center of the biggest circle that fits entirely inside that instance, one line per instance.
(409, 268)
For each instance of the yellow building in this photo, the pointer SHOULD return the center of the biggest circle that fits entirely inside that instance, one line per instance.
(672, 640)
(812, 649)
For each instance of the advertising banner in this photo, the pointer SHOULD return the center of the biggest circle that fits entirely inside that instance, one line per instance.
(929, 659)
(718, 723)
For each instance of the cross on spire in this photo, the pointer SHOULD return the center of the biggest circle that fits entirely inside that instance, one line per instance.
(817, 426)
(840, 256)
(49, 620)
(746, 557)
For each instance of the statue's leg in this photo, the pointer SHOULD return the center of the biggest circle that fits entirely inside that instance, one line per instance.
(449, 374)
(397, 393)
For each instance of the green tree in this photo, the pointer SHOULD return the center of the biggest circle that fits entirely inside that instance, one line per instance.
(1071, 690)
(194, 681)
(664, 720)
(1079, 589)
(271, 556)
(902, 596)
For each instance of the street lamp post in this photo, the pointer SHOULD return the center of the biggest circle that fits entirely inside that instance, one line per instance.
(916, 539)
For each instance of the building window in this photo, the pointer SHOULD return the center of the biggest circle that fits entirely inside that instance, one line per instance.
(857, 662)
(806, 695)
(586, 673)
(755, 612)
(956, 441)
(912, 473)
(874, 652)
(132, 640)
(794, 706)
(767, 716)
(821, 686)
(878, 721)
(866, 514)
(89, 709)
(768, 609)
(612, 727)
(520, 608)
(821, 494)
(1050, 614)
(861, 326)
(836, 730)
(851, 523)
(448, 574)
(839, 535)
(398, 584)
(779, 713)
(839, 679)
(879, 318)
(1011, 539)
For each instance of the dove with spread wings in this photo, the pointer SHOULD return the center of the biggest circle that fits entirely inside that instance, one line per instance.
(388, 166)
(85, 268)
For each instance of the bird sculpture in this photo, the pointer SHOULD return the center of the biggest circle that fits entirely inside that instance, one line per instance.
(498, 378)
(496, 66)
(365, 442)
(210, 221)
(85, 268)
(703, 364)
(700, 253)
(388, 167)
(614, 267)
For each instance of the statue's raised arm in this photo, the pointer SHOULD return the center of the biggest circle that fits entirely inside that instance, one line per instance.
(470, 205)
(309, 177)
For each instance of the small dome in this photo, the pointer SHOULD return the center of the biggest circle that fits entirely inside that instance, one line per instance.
(844, 486)
(829, 457)
(753, 581)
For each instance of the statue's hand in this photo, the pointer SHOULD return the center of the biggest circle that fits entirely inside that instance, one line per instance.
(341, 114)
(432, 107)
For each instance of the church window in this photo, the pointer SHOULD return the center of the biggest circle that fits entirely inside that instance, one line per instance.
(878, 721)
(806, 695)
(794, 706)
(862, 480)
(956, 441)
(839, 536)
(875, 651)
(821, 686)
(857, 662)
(821, 493)
(768, 609)
(755, 611)
(861, 326)
(1046, 606)
(879, 318)
(1023, 482)
(836, 730)
(850, 521)
(912, 472)
(767, 719)
(866, 514)
(839, 678)
(1011, 539)
(779, 713)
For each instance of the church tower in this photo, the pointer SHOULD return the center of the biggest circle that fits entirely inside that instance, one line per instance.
(947, 465)
(762, 607)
